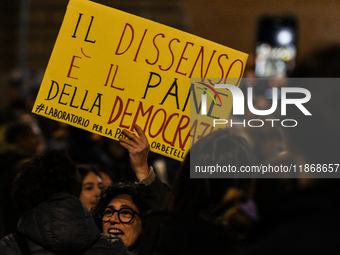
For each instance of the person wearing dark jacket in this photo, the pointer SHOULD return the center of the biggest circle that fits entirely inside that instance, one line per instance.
(305, 220)
(53, 219)
(201, 216)
(121, 208)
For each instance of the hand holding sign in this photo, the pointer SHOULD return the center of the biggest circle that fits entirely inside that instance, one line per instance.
(138, 148)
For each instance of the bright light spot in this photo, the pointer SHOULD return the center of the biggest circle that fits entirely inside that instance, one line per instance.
(284, 37)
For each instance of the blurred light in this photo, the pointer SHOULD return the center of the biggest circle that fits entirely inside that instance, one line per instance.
(284, 37)
(264, 49)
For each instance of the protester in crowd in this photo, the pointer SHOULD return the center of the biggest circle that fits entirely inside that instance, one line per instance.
(305, 220)
(15, 99)
(204, 215)
(21, 141)
(92, 184)
(53, 220)
(130, 207)
(131, 201)
(23, 136)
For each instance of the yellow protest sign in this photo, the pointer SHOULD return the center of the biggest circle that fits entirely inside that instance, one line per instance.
(110, 70)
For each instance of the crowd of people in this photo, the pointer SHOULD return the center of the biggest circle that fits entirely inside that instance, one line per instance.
(68, 191)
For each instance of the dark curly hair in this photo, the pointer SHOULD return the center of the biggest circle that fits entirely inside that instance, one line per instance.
(42, 176)
(111, 192)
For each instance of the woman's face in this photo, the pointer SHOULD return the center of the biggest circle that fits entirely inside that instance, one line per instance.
(128, 232)
(92, 186)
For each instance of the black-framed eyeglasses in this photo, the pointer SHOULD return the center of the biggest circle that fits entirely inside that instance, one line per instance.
(125, 215)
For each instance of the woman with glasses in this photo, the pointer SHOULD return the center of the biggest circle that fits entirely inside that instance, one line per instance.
(121, 207)
(119, 212)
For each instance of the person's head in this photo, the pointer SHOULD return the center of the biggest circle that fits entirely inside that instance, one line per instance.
(316, 137)
(92, 184)
(119, 211)
(43, 176)
(23, 135)
(201, 196)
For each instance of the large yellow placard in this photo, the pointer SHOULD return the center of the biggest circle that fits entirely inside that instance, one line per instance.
(110, 69)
